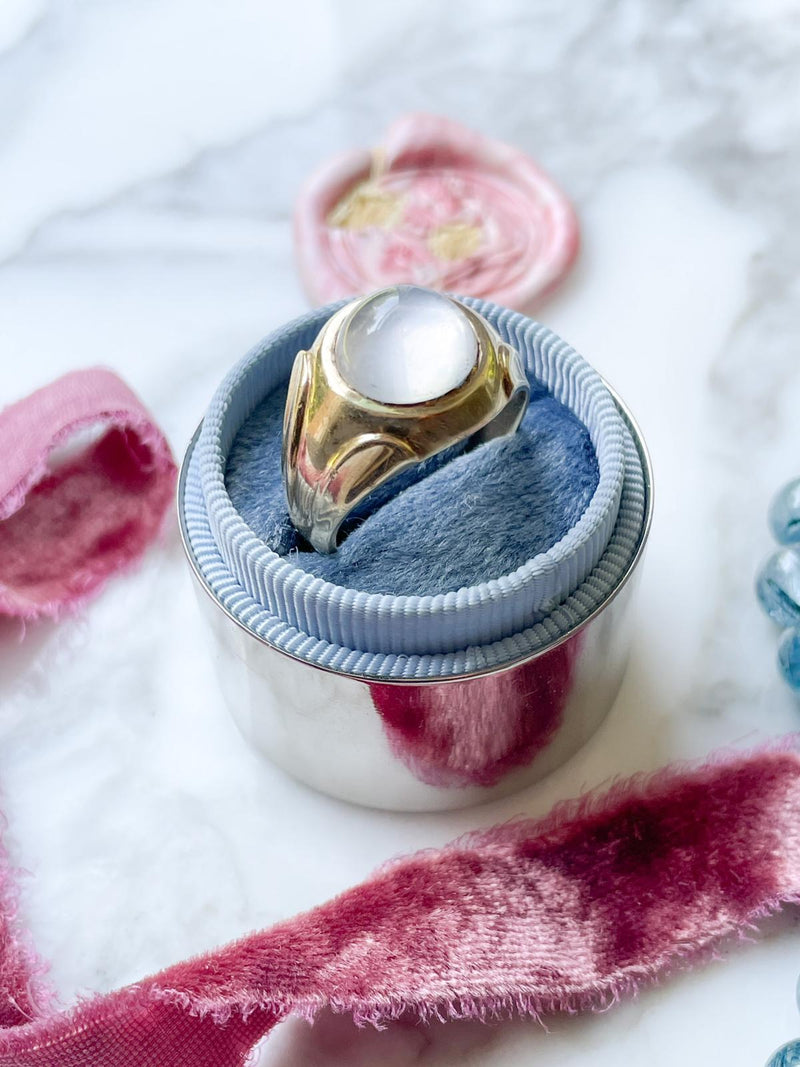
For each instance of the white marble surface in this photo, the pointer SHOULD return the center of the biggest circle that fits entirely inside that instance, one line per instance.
(149, 155)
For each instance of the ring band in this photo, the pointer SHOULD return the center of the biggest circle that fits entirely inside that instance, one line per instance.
(391, 380)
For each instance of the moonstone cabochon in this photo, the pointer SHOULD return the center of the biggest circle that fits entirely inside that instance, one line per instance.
(406, 345)
(435, 204)
(384, 624)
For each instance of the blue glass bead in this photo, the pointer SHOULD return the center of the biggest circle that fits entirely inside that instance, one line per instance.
(784, 514)
(787, 1055)
(789, 658)
(778, 587)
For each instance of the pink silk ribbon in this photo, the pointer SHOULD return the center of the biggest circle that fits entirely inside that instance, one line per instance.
(567, 913)
(68, 522)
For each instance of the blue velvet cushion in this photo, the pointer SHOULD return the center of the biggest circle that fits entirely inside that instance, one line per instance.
(480, 550)
(590, 595)
(479, 516)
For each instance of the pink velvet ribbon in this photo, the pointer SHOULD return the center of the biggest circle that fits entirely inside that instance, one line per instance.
(567, 913)
(69, 521)
(533, 917)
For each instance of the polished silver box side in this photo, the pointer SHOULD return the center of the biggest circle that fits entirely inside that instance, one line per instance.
(432, 744)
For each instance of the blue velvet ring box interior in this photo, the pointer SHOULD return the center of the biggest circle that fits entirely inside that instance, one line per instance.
(479, 553)
(471, 564)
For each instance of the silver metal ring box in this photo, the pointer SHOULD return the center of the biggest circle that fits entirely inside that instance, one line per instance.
(424, 741)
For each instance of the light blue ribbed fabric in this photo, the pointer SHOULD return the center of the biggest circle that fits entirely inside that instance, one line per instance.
(586, 599)
(422, 625)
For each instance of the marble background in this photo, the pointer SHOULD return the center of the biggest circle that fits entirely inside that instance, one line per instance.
(149, 154)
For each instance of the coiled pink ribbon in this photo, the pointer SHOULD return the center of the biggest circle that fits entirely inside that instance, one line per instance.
(66, 526)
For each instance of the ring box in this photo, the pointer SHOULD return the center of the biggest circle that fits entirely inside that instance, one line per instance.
(406, 727)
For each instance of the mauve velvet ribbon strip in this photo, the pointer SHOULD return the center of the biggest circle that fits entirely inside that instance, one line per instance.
(67, 526)
(532, 917)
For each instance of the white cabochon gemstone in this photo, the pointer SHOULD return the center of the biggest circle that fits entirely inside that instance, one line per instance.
(406, 345)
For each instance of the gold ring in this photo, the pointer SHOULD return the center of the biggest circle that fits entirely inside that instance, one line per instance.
(391, 380)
